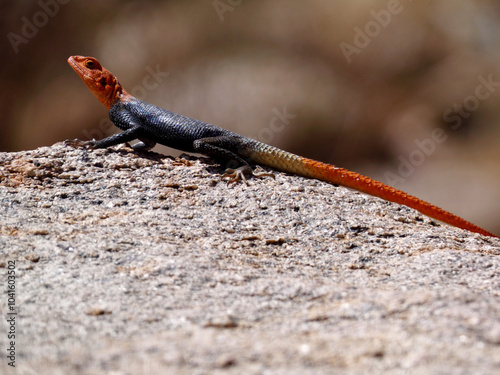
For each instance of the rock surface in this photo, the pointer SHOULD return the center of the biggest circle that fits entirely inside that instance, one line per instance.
(144, 264)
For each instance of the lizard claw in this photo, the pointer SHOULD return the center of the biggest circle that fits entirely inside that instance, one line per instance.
(263, 174)
(238, 174)
(79, 143)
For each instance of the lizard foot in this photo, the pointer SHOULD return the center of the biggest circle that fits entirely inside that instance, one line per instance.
(238, 174)
(79, 143)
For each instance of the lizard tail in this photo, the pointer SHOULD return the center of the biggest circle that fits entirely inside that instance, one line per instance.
(341, 176)
(291, 163)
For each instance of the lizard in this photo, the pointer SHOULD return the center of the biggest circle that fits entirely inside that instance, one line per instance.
(151, 124)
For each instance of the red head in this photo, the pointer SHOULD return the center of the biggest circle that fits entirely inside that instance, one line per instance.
(100, 81)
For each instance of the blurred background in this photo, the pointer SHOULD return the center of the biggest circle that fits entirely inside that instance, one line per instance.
(406, 92)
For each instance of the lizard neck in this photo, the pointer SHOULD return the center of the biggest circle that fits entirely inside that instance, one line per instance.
(122, 96)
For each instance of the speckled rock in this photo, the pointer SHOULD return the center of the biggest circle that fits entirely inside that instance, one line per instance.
(145, 264)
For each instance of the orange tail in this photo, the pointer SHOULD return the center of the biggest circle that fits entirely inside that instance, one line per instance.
(341, 176)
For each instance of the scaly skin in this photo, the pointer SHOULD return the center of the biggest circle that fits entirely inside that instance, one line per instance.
(151, 124)
(103, 84)
(287, 162)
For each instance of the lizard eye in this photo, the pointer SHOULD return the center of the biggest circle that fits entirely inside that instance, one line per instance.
(89, 64)
(103, 82)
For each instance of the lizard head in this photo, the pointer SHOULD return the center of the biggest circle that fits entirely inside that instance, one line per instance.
(99, 80)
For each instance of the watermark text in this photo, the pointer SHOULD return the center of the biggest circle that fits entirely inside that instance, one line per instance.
(11, 313)
(31, 26)
(222, 7)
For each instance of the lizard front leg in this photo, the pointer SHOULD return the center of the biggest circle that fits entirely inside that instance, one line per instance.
(115, 139)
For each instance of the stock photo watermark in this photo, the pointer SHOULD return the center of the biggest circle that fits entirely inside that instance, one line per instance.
(483, 91)
(454, 116)
(221, 7)
(363, 36)
(32, 25)
(11, 313)
(151, 81)
(277, 124)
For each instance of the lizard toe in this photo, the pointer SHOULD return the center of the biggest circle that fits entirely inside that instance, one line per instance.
(263, 174)
(235, 175)
(238, 174)
(79, 143)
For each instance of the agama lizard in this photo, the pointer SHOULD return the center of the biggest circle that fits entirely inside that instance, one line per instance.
(151, 124)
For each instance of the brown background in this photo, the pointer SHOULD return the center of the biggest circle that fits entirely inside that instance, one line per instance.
(238, 66)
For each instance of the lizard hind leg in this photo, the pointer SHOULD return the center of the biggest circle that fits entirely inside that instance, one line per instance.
(221, 148)
(238, 174)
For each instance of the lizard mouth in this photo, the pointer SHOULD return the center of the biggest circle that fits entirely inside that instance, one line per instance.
(74, 64)
(77, 67)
